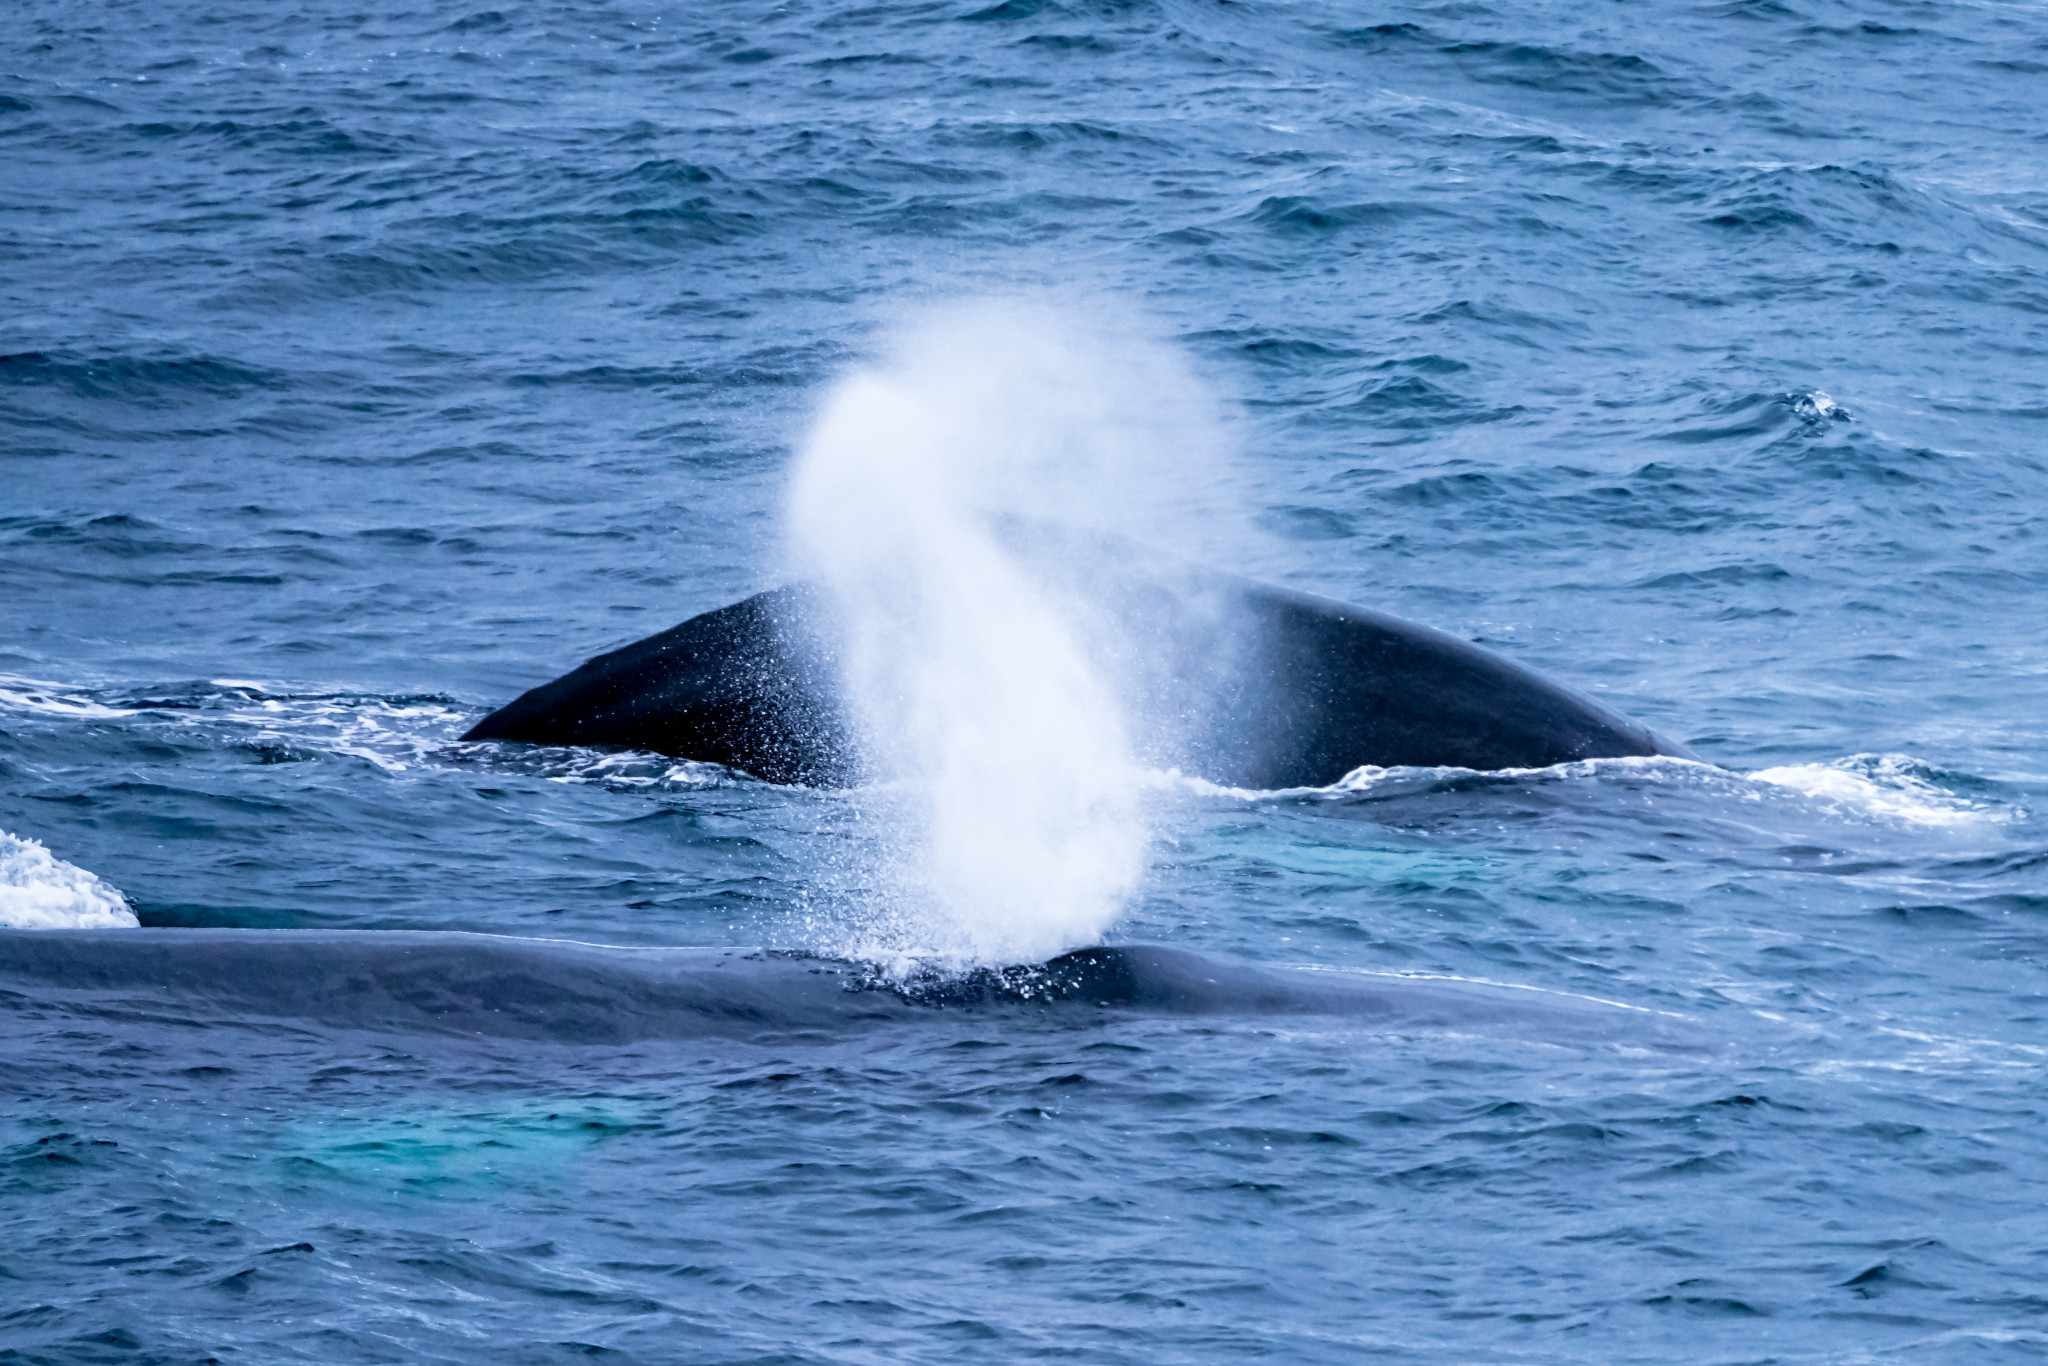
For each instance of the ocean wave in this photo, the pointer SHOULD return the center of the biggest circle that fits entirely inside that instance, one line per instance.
(1894, 787)
(55, 699)
(1879, 787)
(1370, 780)
(39, 891)
(396, 732)
(630, 770)
(145, 379)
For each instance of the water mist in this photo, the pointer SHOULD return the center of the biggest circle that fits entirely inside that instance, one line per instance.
(1006, 791)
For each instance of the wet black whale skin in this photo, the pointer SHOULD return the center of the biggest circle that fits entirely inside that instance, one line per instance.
(1307, 691)
(747, 685)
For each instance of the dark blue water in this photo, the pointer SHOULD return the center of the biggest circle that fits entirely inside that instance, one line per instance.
(362, 366)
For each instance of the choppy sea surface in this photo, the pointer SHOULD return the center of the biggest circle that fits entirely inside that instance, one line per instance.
(363, 365)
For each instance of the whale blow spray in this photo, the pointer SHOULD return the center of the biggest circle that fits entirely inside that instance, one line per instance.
(990, 714)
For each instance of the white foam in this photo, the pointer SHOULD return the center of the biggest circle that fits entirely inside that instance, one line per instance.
(1887, 786)
(621, 770)
(1815, 406)
(395, 736)
(39, 891)
(51, 699)
(1374, 780)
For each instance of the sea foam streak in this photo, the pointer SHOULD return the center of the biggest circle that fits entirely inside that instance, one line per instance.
(39, 891)
(1887, 786)
(1008, 791)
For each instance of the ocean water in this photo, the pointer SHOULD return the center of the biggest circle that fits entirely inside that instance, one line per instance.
(364, 365)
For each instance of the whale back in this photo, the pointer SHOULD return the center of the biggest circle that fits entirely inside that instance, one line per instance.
(1241, 683)
(1337, 687)
(750, 686)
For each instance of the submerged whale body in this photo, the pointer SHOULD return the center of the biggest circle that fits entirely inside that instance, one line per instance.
(498, 986)
(1238, 682)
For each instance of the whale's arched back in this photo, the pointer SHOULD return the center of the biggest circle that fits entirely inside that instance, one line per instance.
(747, 685)
(1303, 691)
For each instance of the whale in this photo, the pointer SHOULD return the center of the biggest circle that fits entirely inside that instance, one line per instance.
(1237, 682)
(452, 982)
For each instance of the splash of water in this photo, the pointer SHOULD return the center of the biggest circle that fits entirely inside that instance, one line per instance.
(39, 891)
(1886, 786)
(990, 714)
